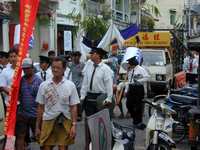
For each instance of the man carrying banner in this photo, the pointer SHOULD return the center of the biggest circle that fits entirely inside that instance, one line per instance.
(57, 109)
(97, 81)
(8, 73)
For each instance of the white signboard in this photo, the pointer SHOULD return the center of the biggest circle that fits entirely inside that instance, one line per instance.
(67, 41)
(100, 130)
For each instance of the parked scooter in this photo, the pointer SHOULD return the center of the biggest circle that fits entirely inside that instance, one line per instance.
(159, 127)
(182, 104)
(123, 137)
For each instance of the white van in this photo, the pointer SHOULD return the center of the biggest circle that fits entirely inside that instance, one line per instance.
(159, 64)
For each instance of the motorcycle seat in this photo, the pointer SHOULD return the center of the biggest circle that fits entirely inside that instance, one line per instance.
(184, 100)
(185, 107)
(187, 91)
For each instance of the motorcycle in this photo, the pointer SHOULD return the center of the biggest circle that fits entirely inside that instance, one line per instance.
(159, 127)
(123, 137)
(182, 104)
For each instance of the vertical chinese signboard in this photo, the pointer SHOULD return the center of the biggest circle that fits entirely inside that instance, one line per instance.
(28, 11)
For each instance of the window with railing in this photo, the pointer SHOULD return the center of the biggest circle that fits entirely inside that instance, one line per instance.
(119, 5)
(121, 10)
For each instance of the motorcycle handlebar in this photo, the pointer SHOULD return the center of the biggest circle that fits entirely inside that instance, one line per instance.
(159, 97)
(155, 105)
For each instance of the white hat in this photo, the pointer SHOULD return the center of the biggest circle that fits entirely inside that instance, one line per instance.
(27, 63)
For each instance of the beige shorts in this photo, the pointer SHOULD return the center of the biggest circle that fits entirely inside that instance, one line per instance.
(53, 133)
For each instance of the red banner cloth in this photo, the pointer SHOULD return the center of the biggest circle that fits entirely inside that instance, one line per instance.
(28, 11)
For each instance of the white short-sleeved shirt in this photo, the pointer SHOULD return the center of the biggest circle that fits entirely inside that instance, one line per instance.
(6, 77)
(102, 81)
(57, 98)
(49, 74)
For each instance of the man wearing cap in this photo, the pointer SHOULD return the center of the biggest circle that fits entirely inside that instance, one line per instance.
(45, 72)
(3, 60)
(27, 108)
(97, 80)
(135, 92)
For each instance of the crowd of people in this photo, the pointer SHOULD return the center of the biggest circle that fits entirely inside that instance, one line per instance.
(191, 62)
(53, 99)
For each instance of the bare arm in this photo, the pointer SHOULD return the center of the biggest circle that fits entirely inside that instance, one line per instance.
(40, 111)
(73, 110)
(4, 89)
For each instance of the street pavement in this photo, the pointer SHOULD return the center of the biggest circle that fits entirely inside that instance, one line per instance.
(139, 141)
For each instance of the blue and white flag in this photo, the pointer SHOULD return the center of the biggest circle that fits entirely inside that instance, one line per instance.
(111, 34)
(17, 37)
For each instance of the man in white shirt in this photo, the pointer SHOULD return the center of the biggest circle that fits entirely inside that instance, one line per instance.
(97, 80)
(45, 73)
(7, 74)
(57, 109)
(137, 77)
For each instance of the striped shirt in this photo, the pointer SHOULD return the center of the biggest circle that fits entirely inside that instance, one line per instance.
(27, 96)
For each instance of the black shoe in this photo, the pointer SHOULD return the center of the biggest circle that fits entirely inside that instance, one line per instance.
(140, 126)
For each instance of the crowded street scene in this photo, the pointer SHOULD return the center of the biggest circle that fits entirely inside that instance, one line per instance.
(99, 75)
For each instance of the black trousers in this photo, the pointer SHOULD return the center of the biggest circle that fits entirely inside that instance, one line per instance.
(134, 102)
(136, 111)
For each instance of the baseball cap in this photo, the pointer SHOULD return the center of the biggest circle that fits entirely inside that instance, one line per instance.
(27, 63)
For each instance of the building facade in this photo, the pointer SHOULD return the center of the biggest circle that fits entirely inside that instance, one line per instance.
(171, 13)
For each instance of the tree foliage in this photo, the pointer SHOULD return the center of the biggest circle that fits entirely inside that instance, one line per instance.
(94, 27)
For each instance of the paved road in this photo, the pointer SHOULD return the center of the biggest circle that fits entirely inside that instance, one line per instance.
(139, 143)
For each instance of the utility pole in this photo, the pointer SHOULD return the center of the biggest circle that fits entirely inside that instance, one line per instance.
(139, 14)
(189, 17)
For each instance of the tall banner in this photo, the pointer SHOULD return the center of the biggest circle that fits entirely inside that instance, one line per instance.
(28, 11)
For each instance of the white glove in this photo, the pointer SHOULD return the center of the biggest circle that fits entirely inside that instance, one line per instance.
(107, 101)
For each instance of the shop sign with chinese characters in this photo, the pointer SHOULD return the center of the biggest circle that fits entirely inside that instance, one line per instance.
(154, 39)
